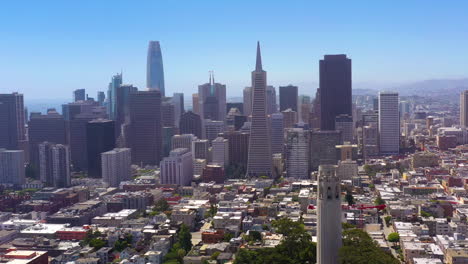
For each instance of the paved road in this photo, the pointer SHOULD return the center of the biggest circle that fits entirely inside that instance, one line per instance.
(387, 231)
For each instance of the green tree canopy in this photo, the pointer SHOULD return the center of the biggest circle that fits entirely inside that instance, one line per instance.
(393, 237)
(185, 238)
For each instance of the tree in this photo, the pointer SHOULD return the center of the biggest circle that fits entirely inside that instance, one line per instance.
(379, 200)
(227, 237)
(97, 243)
(358, 247)
(387, 220)
(215, 255)
(161, 205)
(349, 198)
(185, 238)
(425, 214)
(393, 237)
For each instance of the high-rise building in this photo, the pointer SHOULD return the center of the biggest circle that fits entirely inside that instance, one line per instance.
(213, 172)
(212, 100)
(79, 95)
(155, 69)
(370, 141)
(100, 138)
(238, 105)
(168, 114)
(167, 134)
(183, 141)
(70, 110)
(247, 101)
(101, 97)
(260, 159)
(220, 151)
(464, 108)
(12, 167)
(277, 133)
(389, 123)
(12, 121)
(178, 101)
(177, 168)
(122, 95)
(305, 107)
(116, 166)
(50, 127)
(314, 117)
(297, 153)
(323, 147)
(238, 147)
(54, 165)
(288, 97)
(329, 215)
(190, 123)
(198, 166)
(201, 149)
(115, 83)
(344, 123)
(213, 128)
(271, 106)
(145, 128)
(289, 118)
(335, 89)
(195, 104)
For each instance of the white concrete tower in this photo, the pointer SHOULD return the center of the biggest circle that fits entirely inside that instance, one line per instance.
(329, 215)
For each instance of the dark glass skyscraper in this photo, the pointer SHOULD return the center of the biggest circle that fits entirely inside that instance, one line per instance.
(79, 95)
(154, 68)
(335, 89)
(288, 97)
(100, 138)
(190, 123)
(260, 159)
(12, 130)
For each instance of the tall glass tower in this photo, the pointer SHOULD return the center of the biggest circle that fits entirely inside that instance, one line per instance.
(154, 68)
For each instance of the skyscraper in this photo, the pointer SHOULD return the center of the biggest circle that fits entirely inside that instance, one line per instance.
(178, 101)
(344, 123)
(115, 83)
(183, 141)
(289, 118)
(100, 138)
(79, 95)
(213, 128)
(12, 167)
(271, 106)
(195, 104)
(335, 89)
(190, 123)
(220, 151)
(201, 149)
(168, 114)
(101, 97)
(277, 133)
(116, 166)
(212, 100)
(154, 68)
(238, 147)
(323, 147)
(297, 153)
(54, 164)
(122, 95)
(145, 129)
(464, 108)
(389, 123)
(12, 121)
(260, 159)
(247, 101)
(288, 97)
(177, 168)
(329, 215)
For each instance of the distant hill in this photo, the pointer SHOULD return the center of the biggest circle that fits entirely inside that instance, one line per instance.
(437, 87)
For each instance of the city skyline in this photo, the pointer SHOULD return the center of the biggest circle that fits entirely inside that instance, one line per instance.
(291, 46)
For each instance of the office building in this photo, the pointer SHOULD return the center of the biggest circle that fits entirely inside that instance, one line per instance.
(168, 114)
(464, 109)
(195, 104)
(177, 168)
(389, 123)
(116, 166)
(212, 100)
(12, 170)
(288, 97)
(155, 69)
(329, 238)
(183, 141)
(238, 105)
(289, 118)
(54, 164)
(50, 127)
(178, 102)
(115, 83)
(145, 127)
(100, 138)
(101, 97)
(271, 106)
(122, 95)
(260, 159)
(247, 101)
(335, 89)
(220, 151)
(277, 133)
(305, 107)
(323, 147)
(370, 141)
(12, 121)
(344, 123)
(213, 128)
(190, 123)
(238, 144)
(79, 95)
(167, 134)
(201, 149)
(198, 166)
(297, 153)
(213, 173)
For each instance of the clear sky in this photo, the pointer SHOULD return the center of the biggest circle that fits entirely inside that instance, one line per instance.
(50, 48)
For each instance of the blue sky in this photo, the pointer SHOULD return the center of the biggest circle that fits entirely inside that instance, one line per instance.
(50, 48)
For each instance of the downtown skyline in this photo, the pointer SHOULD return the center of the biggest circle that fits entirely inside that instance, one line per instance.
(292, 47)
